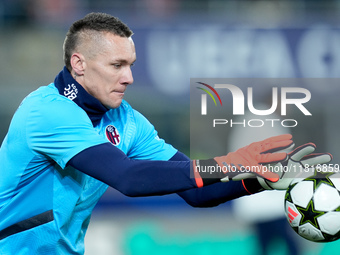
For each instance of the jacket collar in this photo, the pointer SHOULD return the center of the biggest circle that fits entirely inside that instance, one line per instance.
(70, 88)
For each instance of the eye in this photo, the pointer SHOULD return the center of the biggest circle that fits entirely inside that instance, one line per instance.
(117, 66)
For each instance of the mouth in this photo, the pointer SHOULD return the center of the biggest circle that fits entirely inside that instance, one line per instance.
(120, 93)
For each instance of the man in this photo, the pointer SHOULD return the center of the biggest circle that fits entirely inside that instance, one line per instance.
(71, 139)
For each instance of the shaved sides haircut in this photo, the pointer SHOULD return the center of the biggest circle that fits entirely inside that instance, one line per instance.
(90, 29)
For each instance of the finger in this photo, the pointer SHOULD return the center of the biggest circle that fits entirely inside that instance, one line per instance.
(278, 138)
(271, 158)
(316, 159)
(290, 147)
(302, 151)
(277, 146)
(272, 144)
(275, 143)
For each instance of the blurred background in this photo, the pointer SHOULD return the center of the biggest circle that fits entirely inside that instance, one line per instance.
(177, 40)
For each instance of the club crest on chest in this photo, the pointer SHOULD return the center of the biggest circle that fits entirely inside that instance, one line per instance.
(112, 134)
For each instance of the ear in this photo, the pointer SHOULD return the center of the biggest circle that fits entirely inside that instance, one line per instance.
(78, 63)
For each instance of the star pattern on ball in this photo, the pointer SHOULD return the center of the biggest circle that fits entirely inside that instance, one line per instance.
(288, 196)
(309, 214)
(320, 177)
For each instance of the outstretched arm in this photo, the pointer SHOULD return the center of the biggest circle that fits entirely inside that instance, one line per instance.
(147, 177)
(133, 177)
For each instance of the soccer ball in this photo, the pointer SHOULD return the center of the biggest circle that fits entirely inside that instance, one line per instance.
(312, 206)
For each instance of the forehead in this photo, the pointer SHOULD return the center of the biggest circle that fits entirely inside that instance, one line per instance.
(114, 45)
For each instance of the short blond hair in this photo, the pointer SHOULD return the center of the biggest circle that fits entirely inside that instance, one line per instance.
(92, 27)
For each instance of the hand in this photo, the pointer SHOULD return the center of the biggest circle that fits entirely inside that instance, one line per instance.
(246, 162)
(300, 163)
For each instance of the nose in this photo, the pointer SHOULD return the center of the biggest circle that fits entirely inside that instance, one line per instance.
(127, 77)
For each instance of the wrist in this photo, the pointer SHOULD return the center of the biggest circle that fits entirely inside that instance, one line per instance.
(252, 185)
(207, 172)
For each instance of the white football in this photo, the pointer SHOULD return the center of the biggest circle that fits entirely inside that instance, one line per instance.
(312, 207)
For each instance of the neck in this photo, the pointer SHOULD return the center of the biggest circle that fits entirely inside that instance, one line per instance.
(70, 88)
